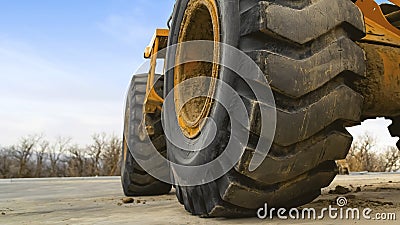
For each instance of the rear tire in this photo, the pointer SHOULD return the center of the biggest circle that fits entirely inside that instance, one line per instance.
(307, 52)
(135, 180)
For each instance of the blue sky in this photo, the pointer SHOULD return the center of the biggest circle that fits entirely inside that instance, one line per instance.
(65, 65)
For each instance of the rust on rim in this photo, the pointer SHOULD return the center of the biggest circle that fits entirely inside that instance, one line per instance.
(200, 22)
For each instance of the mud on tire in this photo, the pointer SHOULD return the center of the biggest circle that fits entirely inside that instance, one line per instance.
(307, 52)
(135, 180)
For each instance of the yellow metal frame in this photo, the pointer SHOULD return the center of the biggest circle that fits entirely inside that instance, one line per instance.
(382, 48)
(152, 49)
(378, 29)
(159, 41)
(396, 2)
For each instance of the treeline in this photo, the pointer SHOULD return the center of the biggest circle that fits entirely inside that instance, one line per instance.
(364, 155)
(34, 156)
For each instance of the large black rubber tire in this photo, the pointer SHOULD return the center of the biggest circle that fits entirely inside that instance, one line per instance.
(394, 129)
(307, 51)
(135, 180)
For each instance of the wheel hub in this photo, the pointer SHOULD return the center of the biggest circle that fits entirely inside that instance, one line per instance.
(200, 22)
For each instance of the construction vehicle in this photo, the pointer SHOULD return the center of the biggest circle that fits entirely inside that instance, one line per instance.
(330, 65)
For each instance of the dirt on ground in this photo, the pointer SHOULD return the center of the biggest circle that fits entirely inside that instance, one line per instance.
(101, 201)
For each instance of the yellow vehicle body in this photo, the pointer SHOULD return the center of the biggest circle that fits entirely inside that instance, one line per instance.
(381, 44)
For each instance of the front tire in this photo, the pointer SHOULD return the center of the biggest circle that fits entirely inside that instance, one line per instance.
(307, 52)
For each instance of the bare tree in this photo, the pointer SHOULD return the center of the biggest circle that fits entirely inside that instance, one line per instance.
(76, 162)
(23, 152)
(364, 149)
(40, 154)
(5, 163)
(111, 156)
(363, 156)
(391, 159)
(95, 151)
(55, 152)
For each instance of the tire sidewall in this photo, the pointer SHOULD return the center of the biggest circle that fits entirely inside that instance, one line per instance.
(229, 19)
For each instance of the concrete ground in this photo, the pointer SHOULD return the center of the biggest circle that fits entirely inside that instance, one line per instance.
(98, 201)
